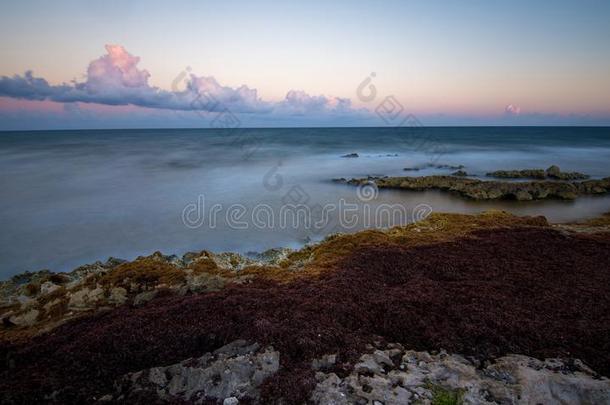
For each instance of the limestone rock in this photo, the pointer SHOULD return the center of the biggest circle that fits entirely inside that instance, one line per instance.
(48, 287)
(553, 171)
(229, 374)
(422, 378)
(118, 296)
(85, 298)
(325, 362)
(27, 318)
(144, 297)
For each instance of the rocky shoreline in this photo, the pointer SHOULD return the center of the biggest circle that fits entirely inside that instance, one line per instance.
(476, 189)
(490, 308)
(551, 183)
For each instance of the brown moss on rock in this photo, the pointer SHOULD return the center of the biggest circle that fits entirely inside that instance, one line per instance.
(438, 227)
(31, 289)
(146, 272)
(603, 220)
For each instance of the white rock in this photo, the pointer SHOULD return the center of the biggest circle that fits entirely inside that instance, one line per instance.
(512, 379)
(118, 296)
(48, 287)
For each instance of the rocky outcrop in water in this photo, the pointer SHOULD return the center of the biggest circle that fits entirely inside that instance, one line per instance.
(494, 190)
(553, 172)
(434, 166)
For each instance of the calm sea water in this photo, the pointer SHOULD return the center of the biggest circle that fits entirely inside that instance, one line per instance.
(72, 197)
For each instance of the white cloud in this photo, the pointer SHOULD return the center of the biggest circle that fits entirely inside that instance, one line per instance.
(115, 79)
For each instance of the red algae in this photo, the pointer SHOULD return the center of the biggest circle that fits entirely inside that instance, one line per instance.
(534, 291)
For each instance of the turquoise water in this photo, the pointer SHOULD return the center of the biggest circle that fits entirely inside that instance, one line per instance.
(71, 197)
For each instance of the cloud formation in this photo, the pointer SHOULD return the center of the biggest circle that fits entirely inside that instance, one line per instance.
(512, 109)
(115, 79)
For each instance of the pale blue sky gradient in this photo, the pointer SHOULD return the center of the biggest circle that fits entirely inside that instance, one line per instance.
(452, 62)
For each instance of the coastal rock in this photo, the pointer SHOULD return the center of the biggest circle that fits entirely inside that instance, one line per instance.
(553, 172)
(325, 362)
(118, 296)
(25, 319)
(435, 166)
(97, 267)
(425, 378)
(229, 374)
(48, 287)
(491, 190)
(460, 173)
(85, 298)
(144, 297)
(271, 256)
(206, 282)
(522, 195)
(350, 155)
(519, 174)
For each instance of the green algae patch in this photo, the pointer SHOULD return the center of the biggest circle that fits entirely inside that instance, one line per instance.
(445, 396)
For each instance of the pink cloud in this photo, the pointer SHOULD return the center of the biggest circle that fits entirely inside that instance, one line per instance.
(512, 109)
(117, 68)
(115, 79)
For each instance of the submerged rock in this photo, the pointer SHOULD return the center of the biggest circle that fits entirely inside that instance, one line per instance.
(460, 173)
(350, 155)
(435, 166)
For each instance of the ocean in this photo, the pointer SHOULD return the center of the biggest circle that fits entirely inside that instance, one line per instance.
(73, 197)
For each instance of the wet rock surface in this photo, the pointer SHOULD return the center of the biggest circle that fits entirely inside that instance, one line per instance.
(493, 190)
(553, 172)
(434, 166)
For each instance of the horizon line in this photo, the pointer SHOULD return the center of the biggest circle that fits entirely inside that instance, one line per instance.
(305, 127)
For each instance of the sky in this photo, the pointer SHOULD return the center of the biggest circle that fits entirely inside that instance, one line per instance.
(143, 64)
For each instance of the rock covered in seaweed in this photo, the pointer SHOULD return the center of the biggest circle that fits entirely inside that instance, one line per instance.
(553, 172)
(43, 298)
(493, 190)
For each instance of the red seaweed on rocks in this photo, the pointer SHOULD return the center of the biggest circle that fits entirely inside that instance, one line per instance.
(534, 291)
